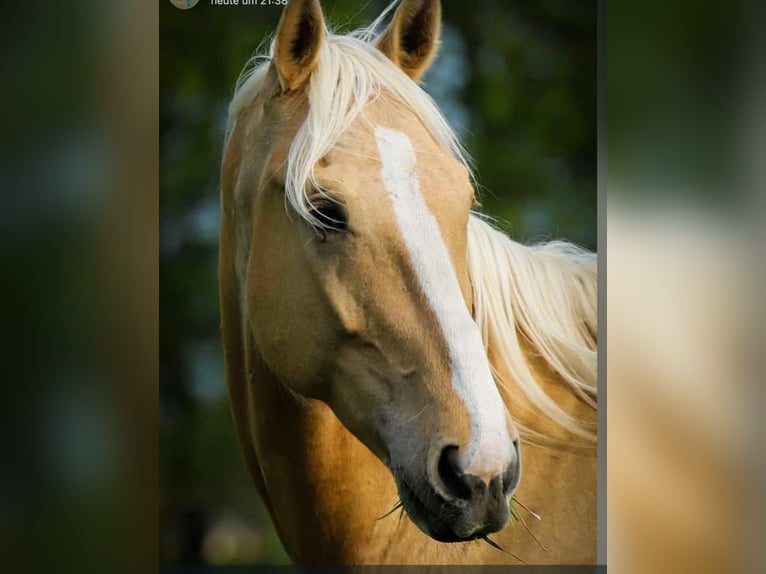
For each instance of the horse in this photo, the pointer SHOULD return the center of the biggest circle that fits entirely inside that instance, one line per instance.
(384, 343)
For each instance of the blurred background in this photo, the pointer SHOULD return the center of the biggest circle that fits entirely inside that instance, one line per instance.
(517, 80)
(686, 125)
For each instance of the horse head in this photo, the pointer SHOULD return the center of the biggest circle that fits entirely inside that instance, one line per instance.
(351, 197)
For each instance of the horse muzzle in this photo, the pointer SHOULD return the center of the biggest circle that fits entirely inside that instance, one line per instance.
(462, 506)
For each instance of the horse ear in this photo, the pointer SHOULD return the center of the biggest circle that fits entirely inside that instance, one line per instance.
(412, 37)
(299, 36)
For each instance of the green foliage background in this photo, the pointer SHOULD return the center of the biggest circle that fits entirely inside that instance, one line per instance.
(517, 79)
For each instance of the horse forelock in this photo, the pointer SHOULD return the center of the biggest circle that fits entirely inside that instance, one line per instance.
(351, 72)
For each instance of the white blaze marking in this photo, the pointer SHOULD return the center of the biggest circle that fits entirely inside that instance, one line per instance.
(490, 449)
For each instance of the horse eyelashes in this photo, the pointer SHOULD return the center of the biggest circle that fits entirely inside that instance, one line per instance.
(330, 217)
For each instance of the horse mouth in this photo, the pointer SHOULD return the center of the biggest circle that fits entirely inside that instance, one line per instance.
(437, 517)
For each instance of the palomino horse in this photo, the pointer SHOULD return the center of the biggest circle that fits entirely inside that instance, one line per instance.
(381, 341)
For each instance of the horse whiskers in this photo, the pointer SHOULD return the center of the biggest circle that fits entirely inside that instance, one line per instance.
(515, 515)
(444, 513)
(517, 501)
(494, 544)
(399, 504)
(412, 420)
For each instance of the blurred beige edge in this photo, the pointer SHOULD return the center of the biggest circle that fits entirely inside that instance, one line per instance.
(680, 371)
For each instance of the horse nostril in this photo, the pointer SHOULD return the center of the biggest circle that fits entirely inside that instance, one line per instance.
(451, 473)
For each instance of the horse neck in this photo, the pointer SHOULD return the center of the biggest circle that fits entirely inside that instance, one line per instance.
(324, 489)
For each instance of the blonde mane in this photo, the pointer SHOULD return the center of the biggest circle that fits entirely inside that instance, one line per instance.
(545, 293)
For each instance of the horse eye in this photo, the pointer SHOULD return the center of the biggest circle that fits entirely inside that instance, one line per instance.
(330, 215)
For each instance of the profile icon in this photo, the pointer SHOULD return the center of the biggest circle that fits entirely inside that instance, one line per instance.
(184, 4)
